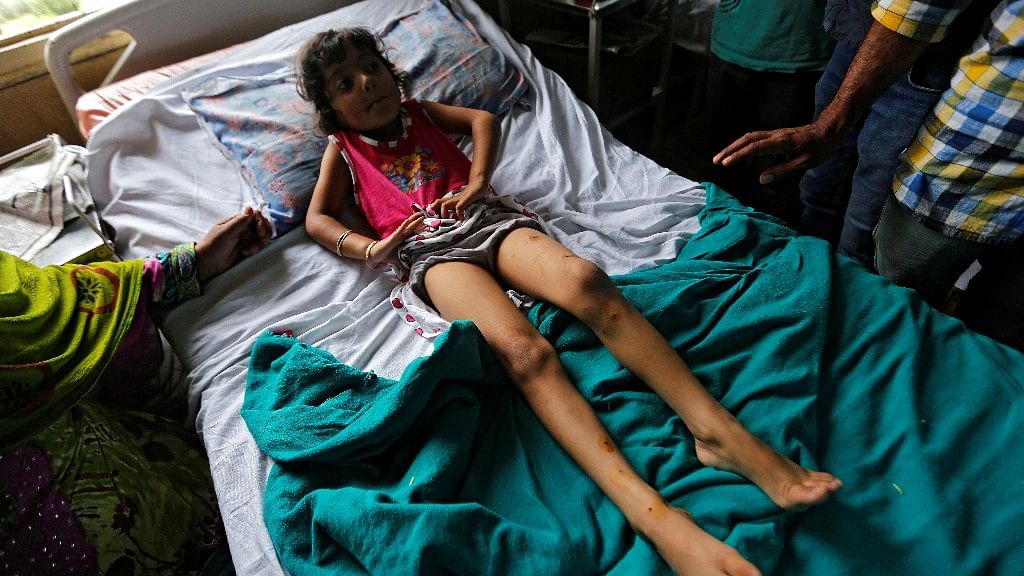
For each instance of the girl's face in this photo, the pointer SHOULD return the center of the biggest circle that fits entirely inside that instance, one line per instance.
(364, 94)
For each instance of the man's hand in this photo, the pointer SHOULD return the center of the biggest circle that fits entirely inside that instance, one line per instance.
(882, 57)
(802, 148)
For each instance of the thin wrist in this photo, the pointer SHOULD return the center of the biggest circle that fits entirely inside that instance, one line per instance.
(368, 256)
(204, 266)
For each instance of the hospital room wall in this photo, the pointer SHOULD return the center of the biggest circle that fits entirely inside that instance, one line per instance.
(31, 107)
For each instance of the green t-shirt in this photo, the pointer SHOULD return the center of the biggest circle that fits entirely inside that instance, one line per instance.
(772, 35)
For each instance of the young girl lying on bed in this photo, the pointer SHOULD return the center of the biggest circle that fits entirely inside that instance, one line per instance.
(435, 213)
(87, 458)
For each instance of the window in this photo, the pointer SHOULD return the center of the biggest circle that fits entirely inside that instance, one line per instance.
(24, 18)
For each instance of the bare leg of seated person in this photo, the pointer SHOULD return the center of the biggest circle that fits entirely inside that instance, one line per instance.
(465, 291)
(537, 265)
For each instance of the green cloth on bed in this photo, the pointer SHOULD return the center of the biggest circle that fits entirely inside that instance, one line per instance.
(60, 326)
(447, 470)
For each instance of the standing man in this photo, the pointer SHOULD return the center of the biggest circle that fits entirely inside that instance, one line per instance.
(892, 61)
(766, 57)
(958, 195)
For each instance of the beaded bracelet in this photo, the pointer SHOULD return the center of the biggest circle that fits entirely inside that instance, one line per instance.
(341, 240)
(185, 269)
(180, 274)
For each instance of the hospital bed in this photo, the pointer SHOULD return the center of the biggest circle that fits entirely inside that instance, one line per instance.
(438, 466)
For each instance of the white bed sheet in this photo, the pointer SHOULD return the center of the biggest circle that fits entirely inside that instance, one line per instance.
(161, 181)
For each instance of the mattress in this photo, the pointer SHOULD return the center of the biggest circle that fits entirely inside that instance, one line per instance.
(161, 180)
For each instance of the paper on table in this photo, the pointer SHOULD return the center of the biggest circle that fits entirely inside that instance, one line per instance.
(32, 211)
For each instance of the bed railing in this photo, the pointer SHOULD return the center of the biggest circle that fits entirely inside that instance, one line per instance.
(164, 32)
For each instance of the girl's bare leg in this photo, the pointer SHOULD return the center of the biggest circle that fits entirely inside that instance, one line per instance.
(537, 265)
(465, 291)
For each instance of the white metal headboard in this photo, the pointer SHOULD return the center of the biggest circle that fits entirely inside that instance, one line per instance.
(168, 31)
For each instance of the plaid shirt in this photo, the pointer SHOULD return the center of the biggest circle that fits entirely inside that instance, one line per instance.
(924, 20)
(964, 172)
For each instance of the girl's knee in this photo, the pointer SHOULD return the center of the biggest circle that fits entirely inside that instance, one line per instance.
(527, 356)
(586, 280)
(592, 296)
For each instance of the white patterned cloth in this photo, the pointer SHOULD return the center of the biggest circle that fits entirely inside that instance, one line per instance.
(474, 239)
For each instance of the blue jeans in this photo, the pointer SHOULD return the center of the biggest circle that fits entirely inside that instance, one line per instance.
(843, 196)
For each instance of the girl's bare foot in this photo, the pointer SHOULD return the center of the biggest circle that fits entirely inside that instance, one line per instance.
(689, 550)
(792, 487)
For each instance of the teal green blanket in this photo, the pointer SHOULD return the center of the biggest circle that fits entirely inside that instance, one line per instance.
(447, 470)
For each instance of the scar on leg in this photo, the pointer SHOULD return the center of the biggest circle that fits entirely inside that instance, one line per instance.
(607, 445)
(658, 510)
(617, 478)
(534, 237)
(611, 326)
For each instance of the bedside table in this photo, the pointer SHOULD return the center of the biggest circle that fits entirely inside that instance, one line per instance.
(596, 11)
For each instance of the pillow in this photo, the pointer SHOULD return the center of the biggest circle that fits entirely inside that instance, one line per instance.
(449, 62)
(262, 124)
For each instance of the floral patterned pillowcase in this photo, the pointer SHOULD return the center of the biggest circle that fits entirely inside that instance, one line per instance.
(263, 125)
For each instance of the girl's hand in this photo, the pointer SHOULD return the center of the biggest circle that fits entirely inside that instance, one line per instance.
(457, 202)
(386, 250)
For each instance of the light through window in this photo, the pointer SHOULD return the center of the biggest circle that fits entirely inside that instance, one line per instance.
(22, 16)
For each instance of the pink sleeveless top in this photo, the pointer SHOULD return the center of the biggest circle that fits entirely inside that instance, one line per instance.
(421, 166)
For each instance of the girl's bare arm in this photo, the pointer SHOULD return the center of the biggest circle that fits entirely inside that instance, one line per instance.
(332, 198)
(483, 127)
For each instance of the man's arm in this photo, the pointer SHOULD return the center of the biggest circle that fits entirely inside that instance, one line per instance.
(881, 59)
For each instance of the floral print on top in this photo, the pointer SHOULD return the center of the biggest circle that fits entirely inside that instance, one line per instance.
(413, 171)
(422, 165)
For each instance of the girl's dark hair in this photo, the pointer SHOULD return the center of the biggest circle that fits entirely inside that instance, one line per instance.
(326, 48)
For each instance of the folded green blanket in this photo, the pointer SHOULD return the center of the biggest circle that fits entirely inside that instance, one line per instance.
(447, 470)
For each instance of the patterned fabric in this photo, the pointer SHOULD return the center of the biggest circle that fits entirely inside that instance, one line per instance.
(964, 172)
(104, 491)
(262, 124)
(61, 325)
(145, 359)
(420, 167)
(86, 488)
(448, 61)
(38, 527)
(923, 20)
(474, 240)
(178, 276)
